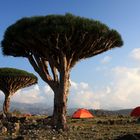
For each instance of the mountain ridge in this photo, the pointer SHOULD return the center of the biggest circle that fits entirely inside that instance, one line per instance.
(42, 108)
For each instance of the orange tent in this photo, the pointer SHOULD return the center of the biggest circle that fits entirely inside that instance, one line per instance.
(135, 112)
(82, 113)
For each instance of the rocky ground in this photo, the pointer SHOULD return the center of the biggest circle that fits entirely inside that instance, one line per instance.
(99, 128)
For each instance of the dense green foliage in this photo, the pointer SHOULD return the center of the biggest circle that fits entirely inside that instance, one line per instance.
(12, 72)
(75, 35)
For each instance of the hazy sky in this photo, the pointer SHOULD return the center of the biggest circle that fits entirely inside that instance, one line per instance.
(110, 80)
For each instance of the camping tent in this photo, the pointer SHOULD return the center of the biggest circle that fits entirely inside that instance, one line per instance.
(82, 113)
(135, 112)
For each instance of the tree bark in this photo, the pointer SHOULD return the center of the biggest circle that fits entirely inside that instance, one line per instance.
(60, 103)
(6, 105)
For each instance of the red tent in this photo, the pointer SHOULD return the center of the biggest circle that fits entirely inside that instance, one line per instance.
(135, 112)
(82, 113)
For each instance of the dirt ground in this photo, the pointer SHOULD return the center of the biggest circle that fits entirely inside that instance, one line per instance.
(98, 128)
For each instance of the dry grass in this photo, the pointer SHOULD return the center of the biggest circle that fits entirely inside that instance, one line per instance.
(98, 128)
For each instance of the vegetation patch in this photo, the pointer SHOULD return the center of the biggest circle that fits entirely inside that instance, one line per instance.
(38, 127)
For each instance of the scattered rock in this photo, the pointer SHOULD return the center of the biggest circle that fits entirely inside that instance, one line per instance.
(16, 127)
(4, 130)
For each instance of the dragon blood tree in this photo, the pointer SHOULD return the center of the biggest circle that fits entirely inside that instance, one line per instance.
(12, 80)
(53, 44)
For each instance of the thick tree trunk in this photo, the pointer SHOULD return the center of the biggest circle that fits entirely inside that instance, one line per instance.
(60, 103)
(6, 105)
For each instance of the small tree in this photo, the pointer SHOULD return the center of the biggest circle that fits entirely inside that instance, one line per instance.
(12, 80)
(53, 44)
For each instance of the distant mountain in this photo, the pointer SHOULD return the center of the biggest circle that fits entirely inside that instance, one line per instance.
(40, 108)
(111, 112)
(36, 108)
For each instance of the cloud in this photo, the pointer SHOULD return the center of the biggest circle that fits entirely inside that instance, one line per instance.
(1, 95)
(28, 95)
(81, 95)
(33, 94)
(123, 92)
(135, 54)
(106, 59)
(127, 86)
(48, 95)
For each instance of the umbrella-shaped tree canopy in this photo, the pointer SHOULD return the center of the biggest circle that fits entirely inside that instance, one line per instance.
(50, 36)
(12, 80)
